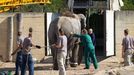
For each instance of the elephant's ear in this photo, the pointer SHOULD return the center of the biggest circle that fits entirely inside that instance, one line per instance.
(82, 20)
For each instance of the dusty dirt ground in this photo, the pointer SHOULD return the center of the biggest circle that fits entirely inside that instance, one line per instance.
(107, 66)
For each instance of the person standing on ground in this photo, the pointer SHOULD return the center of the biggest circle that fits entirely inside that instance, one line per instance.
(18, 61)
(92, 35)
(127, 48)
(89, 51)
(27, 56)
(62, 51)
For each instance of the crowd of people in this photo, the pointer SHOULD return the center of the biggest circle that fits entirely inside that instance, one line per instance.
(88, 42)
(24, 56)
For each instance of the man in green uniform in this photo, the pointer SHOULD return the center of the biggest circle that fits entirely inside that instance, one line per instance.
(89, 51)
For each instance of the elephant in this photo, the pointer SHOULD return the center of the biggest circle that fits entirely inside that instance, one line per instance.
(69, 23)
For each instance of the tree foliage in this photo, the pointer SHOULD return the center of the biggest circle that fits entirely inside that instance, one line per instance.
(55, 6)
(59, 5)
(128, 5)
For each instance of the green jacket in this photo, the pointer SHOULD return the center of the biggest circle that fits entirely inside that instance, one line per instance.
(85, 41)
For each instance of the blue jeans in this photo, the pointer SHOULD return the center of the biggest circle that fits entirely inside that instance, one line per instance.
(27, 60)
(18, 62)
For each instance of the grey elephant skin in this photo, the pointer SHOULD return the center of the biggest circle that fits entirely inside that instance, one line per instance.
(68, 24)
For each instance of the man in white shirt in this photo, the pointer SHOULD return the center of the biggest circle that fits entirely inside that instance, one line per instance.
(62, 51)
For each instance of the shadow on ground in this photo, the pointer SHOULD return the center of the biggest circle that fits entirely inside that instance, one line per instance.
(35, 68)
(45, 64)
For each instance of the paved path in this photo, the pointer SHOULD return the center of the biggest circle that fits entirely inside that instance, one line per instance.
(45, 68)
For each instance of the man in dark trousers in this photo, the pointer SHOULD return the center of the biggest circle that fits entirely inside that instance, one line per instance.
(18, 61)
(27, 56)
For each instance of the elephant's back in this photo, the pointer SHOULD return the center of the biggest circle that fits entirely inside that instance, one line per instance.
(69, 24)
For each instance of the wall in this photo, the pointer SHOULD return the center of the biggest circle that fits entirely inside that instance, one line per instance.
(123, 20)
(34, 20)
(6, 46)
(3, 39)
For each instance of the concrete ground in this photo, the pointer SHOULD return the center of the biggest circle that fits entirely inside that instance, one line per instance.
(45, 68)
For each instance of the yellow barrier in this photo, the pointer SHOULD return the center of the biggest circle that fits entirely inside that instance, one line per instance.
(22, 2)
(5, 9)
(8, 4)
(4, 1)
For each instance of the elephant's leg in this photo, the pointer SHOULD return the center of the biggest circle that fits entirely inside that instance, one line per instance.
(69, 51)
(74, 56)
(80, 54)
(69, 55)
(55, 64)
(67, 59)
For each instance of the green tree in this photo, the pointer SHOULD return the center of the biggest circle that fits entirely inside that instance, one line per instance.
(128, 5)
(56, 6)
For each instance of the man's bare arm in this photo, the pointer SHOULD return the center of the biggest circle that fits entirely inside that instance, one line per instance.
(14, 52)
(57, 46)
